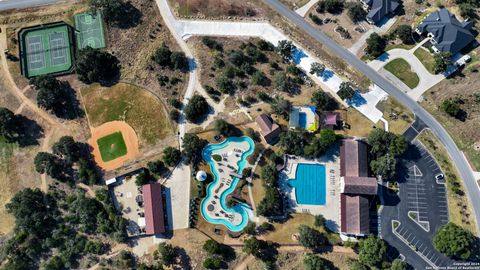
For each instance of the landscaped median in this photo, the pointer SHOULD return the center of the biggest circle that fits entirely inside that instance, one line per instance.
(426, 58)
(403, 71)
(458, 205)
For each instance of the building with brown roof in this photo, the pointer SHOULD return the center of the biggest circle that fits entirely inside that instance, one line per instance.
(153, 207)
(270, 130)
(356, 188)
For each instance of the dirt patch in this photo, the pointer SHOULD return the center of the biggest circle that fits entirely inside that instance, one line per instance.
(135, 46)
(218, 9)
(465, 133)
(342, 20)
(129, 137)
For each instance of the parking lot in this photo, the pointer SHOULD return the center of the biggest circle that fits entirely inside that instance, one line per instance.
(420, 207)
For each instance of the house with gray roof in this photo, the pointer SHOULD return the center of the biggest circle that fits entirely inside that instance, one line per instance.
(447, 33)
(378, 9)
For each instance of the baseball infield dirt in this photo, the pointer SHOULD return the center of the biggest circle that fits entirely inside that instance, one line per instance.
(129, 136)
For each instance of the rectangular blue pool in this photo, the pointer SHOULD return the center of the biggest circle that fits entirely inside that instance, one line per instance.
(302, 120)
(310, 184)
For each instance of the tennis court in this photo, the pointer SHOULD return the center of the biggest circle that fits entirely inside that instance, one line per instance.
(89, 30)
(45, 50)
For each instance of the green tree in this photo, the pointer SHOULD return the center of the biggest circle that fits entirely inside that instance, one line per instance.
(323, 101)
(281, 106)
(372, 251)
(10, 127)
(293, 142)
(117, 13)
(454, 241)
(213, 263)
(251, 228)
(192, 148)
(179, 61)
(346, 91)
(258, 78)
(212, 247)
(226, 129)
(384, 166)
(171, 156)
(442, 61)
(94, 65)
(319, 221)
(398, 264)
(355, 12)
(196, 108)
(404, 33)
(375, 45)
(317, 68)
(384, 142)
(255, 247)
(157, 167)
(55, 96)
(52, 166)
(451, 107)
(333, 6)
(282, 82)
(285, 48)
(320, 145)
(224, 84)
(174, 115)
(315, 262)
(67, 149)
(311, 238)
(166, 254)
(143, 178)
(162, 56)
(272, 203)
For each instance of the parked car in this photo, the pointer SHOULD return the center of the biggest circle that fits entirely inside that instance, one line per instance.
(439, 176)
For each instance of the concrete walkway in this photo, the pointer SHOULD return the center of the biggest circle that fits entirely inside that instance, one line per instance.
(302, 11)
(427, 80)
(380, 29)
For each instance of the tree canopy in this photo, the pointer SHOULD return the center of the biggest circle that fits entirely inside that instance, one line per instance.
(118, 13)
(323, 101)
(311, 238)
(171, 156)
(404, 33)
(55, 96)
(355, 12)
(281, 106)
(166, 254)
(192, 148)
(372, 251)
(196, 108)
(346, 91)
(9, 125)
(384, 142)
(441, 62)
(94, 65)
(454, 241)
(226, 129)
(317, 68)
(320, 145)
(315, 262)
(285, 48)
(375, 45)
(293, 141)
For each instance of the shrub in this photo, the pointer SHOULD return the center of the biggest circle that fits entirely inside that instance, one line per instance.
(196, 108)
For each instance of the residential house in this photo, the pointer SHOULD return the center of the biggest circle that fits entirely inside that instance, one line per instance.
(268, 128)
(446, 32)
(378, 9)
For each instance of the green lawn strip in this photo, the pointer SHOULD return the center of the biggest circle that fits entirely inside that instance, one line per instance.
(426, 58)
(399, 46)
(112, 146)
(402, 70)
(451, 176)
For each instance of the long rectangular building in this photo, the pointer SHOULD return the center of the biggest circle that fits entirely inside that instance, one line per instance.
(153, 207)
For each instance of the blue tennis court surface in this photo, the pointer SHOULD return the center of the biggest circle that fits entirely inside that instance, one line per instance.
(310, 184)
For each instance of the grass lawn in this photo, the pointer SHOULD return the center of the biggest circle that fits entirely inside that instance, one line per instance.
(144, 112)
(399, 46)
(426, 58)
(112, 146)
(402, 70)
(451, 175)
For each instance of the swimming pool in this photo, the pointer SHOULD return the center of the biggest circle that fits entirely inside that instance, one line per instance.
(309, 184)
(240, 210)
(302, 120)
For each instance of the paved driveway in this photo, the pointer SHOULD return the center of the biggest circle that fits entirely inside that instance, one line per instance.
(427, 80)
(420, 207)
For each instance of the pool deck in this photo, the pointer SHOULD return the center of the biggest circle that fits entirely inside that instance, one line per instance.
(226, 169)
(331, 209)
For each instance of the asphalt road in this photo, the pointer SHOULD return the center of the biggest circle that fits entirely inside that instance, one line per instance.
(456, 155)
(14, 4)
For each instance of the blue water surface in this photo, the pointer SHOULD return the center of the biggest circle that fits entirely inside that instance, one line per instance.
(239, 208)
(310, 184)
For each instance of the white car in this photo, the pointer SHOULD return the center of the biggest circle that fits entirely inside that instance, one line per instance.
(439, 176)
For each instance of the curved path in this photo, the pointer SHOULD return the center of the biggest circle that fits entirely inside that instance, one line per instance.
(457, 156)
(427, 80)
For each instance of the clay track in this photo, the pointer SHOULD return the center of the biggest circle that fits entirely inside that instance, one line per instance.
(129, 136)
